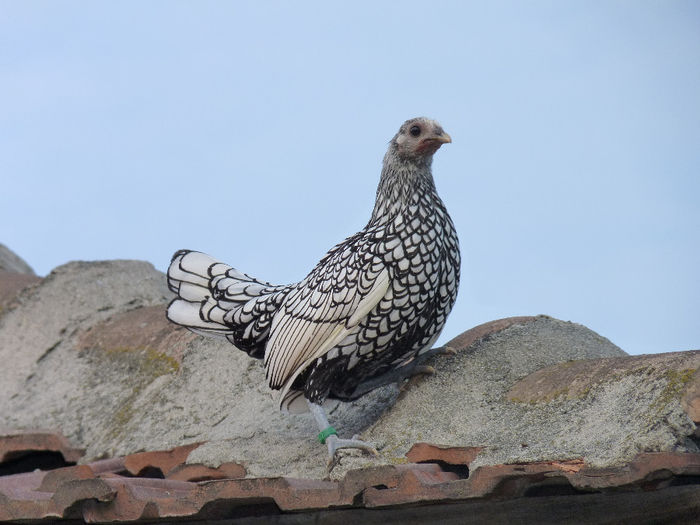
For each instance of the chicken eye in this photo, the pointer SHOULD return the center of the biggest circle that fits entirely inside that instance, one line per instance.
(415, 131)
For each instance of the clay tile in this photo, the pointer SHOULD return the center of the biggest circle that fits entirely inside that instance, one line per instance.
(55, 478)
(204, 473)
(16, 443)
(102, 466)
(512, 480)
(356, 481)
(429, 473)
(415, 482)
(648, 470)
(71, 492)
(143, 487)
(143, 463)
(142, 498)
(426, 452)
(284, 493)
(23, 486)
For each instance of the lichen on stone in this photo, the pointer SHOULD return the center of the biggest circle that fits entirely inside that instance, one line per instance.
(676, 383)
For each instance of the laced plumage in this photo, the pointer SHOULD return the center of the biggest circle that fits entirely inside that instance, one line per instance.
(368, 312)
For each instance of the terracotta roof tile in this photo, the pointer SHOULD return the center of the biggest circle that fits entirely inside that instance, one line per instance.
(204, 473)
(17, 443)
(161, 460)
(425, 452)
(107, 490)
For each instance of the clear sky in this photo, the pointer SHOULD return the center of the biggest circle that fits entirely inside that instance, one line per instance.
(254, 131)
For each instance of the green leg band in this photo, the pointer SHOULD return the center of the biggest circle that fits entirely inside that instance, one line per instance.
(323, 435)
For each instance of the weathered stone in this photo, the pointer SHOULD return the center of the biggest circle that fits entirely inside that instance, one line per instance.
(11, 262)
(464, 404)
(575, 379)
(93, 355)
(11, 284)
(55, 383)
(143, 328)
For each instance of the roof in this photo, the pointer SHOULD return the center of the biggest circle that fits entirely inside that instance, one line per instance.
(436, 481)
(111, 414)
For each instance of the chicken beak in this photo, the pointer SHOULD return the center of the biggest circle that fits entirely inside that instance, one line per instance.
(443, 138)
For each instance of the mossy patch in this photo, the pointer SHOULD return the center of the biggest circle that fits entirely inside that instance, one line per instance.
(578, 389)
(150, 362)
(676, 383)
(144, 365)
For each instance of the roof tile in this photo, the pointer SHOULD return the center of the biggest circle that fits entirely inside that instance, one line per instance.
(16, 443)
(97, 492)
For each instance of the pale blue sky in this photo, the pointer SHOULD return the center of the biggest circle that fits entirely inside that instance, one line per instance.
(254, 131)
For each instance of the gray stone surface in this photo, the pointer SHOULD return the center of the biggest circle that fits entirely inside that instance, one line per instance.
(90, 354)
(466, 404)
(11, 262)
(127, 397)
(46, 382)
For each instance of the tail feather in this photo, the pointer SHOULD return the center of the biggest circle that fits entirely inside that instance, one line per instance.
(218, 300)
(189, 267)
(186, 313)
